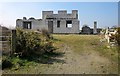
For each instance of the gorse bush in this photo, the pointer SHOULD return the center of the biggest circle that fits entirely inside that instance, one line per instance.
(29, 42)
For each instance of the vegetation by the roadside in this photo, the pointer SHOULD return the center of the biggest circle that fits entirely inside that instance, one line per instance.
(30, 42)
(30, 45)
(16, 63)
(106, 50)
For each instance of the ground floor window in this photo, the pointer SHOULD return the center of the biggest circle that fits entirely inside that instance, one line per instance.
(27, 25)
(58, 24)
(69, 23)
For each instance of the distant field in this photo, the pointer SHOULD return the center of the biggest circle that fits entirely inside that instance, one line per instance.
(79, 54)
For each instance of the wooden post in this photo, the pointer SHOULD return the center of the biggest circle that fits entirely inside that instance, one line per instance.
(13, 41)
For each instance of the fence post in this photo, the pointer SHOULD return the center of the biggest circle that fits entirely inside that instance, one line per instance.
(13, 41)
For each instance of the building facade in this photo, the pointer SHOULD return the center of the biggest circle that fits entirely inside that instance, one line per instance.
(54, 23)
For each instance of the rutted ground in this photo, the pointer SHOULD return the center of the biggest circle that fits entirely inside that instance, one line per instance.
(86, 59)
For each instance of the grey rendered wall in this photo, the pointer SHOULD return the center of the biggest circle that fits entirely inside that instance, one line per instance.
(36, 24)
(39, 25)
(63, 14)
(76, 26)
(75, 14)
(45, 13)
(64, 29)
(19, 23)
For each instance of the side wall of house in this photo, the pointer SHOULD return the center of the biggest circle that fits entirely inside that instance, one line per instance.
(36, 24)
(19, 23)
(64, 29)
(46, 13)
(39, 25)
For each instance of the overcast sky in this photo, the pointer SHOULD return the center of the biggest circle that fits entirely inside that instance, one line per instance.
(105, 13)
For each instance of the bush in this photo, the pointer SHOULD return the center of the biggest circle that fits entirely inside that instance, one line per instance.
(6, 63)
(13, 62)
(30, 45)
(29, 42)
(46, 34)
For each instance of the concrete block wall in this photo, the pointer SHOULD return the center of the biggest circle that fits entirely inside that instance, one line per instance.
(19, 23)
(64, 29)
(45, 13)
(75, 14)
(61, 14)
(39, 25)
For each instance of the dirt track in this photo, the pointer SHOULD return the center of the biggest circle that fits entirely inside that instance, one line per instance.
(90, 62)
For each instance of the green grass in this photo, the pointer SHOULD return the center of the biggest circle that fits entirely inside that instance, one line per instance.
(28, 63)
(80, 43)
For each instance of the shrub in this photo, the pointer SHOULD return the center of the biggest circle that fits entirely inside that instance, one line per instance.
(13, 62)
(29, 42)
(6, 63)
(46, 34)
(29, 45)
(48, 47)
